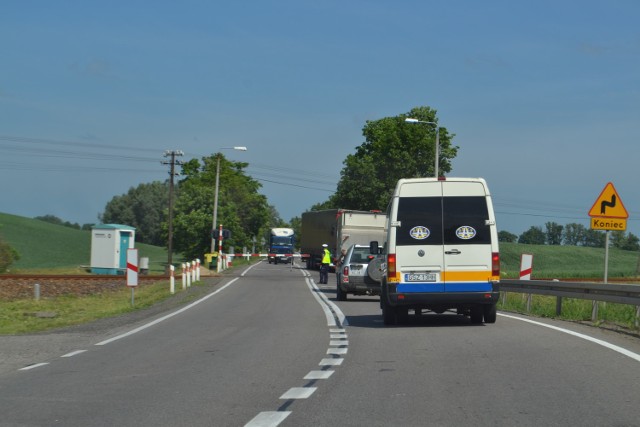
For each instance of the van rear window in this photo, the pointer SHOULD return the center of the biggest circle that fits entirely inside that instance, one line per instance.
(443, 220)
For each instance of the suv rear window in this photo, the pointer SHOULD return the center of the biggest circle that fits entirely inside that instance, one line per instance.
(444, 220)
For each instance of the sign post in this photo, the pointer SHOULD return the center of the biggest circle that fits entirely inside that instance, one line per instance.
(132, 272)
(609, 214)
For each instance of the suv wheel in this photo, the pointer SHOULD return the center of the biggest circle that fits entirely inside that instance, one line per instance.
(340, 294)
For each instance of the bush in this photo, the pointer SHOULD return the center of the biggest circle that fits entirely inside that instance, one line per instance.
(7, 256)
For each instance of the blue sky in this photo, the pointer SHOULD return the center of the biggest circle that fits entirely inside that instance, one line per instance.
(543, 97)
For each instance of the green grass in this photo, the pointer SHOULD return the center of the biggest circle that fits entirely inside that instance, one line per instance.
(577, 310)
(50, 248)
(17, 317)
(561, 262)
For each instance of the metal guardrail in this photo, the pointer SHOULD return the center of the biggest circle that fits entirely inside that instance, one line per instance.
(606, 292)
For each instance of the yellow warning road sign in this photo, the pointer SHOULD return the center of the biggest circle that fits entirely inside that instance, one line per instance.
(609, 205)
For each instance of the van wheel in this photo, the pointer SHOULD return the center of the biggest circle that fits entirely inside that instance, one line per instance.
(340, 294)
(402, 315)
(388, 314)
(477, 313)
(490, 313)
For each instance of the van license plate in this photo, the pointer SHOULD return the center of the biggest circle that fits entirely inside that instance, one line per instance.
(420, 277)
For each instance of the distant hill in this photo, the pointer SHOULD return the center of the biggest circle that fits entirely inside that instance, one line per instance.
(44, 246)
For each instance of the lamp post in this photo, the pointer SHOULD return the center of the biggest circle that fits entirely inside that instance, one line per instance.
(215, 201)
(411, 120)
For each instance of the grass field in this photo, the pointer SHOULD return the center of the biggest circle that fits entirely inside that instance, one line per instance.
(50, 248)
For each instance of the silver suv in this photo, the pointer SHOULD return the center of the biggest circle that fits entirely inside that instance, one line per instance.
(359, 273)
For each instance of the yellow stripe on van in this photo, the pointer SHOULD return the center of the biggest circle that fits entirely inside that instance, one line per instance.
(466, 276)
(456, 276)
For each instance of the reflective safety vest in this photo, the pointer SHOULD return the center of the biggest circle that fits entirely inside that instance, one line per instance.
(326, 258)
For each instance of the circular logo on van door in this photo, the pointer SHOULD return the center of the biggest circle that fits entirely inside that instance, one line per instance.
(419, 232)
(466, 232)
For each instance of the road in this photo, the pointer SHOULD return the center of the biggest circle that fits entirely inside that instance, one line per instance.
(269, 348)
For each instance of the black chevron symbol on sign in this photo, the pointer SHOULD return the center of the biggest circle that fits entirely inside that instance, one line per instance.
(604, 204)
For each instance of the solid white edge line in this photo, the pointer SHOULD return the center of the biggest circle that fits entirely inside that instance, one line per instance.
(331, 321)
(268, 419)
(168, 316)
(605, 344)
(339, 313)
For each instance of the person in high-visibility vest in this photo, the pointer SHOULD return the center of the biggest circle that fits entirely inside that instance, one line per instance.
(324, 264)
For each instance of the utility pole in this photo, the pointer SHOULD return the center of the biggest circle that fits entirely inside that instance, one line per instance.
(173, 162)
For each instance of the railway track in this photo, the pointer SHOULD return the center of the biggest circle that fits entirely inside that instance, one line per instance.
(18, 286)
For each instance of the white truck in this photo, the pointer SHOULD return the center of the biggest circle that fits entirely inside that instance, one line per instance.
(340, 229)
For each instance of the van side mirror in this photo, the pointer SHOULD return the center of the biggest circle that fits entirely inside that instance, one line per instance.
(373, 247)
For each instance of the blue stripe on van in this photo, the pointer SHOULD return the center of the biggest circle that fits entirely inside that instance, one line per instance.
(469, 287)
(420, 287)
(440, 287)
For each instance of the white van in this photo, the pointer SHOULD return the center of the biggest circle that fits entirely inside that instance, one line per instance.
(442, 250)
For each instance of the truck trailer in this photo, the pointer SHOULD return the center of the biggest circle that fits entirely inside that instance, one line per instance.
(339, 229)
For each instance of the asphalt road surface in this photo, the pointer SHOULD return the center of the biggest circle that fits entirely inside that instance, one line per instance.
(268, 347)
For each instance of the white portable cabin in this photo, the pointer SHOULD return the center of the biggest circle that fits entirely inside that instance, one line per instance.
(109, 244)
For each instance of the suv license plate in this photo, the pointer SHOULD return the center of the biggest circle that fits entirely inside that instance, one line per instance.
(420, 277)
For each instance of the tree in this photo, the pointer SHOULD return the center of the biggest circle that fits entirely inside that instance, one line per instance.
(392, 150)
(241, 209)
(144, 207)
(594, 238)
(505, 236)
(52, 219)
(554, 233)
(620, 240)
(574, 234)
(533, 236)
(7, 256)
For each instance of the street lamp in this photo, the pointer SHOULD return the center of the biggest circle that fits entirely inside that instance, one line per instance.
(411, 120)
(215, 201)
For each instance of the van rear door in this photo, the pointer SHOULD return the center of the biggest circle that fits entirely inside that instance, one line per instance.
(466, 237)
(418, 239)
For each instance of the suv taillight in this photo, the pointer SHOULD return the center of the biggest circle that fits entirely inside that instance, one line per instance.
(345, 271)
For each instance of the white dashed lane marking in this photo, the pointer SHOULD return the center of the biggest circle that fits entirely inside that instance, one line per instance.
(37, 365)
(73, 353)
(268, 419)
(299, 393)
(318, 375)
(338, 346)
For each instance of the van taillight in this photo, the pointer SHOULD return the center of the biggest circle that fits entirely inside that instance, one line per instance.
(495, 264)
(391, 266)
(345, 271)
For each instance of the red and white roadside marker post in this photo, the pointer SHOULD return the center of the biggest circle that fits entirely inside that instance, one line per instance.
(188, 275)
(172, 279)
(526, 268)
(132, 272)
